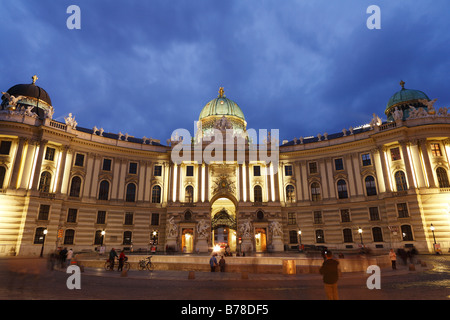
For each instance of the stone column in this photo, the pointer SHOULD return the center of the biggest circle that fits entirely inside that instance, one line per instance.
(62, 169)
(37, 168)
(426, 160)
(17, 164)
(407, 162)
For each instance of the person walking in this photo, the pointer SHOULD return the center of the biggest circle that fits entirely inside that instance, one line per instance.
(112, 257)
(69, 257)
(393, 258)
(213, 263)
(330, 272)
(63, 257)
(122, 259)
(222, 264)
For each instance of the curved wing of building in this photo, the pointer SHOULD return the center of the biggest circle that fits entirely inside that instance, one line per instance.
(380, 186)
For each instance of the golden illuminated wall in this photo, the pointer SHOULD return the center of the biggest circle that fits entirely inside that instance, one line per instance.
(426, 201)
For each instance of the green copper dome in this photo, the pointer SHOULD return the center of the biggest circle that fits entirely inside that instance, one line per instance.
(404, 96)
(221, 106)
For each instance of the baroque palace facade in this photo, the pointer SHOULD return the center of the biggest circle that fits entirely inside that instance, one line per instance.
(384, 185)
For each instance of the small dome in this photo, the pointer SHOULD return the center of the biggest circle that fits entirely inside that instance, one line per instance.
(30, 91)
(221, 106)
(404, 96)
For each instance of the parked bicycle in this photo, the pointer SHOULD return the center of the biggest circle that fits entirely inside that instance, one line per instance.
(126, 265)
(146, 264)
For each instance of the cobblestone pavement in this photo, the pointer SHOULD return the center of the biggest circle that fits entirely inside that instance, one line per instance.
(35, 282)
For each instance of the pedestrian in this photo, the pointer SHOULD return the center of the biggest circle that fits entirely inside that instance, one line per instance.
(393, 258)
(412, 254)
(62, 257)
(403, 255)
(330, 272)
(112, 257)
(69, 257)
(213, 262)
(222, 264)
(122, 259)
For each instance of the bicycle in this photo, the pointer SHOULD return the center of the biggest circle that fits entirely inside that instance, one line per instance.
(146, 264)
(126, 265)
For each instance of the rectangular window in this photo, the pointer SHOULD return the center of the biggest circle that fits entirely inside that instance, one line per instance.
(402, 210)
(79, 160)
(155, 219)
(366, 161)
(293, 236)
(312, 167)
(395, 154)
(288, 171)
(292, 218)
(5, 147)
(348, 235)
(133, 168)
(320, 238)
(256, 171)
(189, 171)
(345, 215)
(44, 211)
(374, 214)
(50, 154)
(69, 236)
(128, 218)
(318, 217)
(72, 215)
(436, 150)
(101, 217)
(106, 164)
(338, 164)
(157, 171)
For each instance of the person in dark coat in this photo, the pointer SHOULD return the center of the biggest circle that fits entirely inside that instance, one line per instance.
(330, 273)
(112, 257)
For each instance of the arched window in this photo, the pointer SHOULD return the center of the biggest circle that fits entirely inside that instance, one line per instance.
(45, 181)
(2, 176)
(103, 192)
(156, 194)
(127, 238)
(407, 233)
(257, 191)
(260, 215)
(371, 188)
(377, 234)
(400, 181)
(441, 175)
(290, 193)
(315, 192)
(188, 215)
(39, 236)
(189, 194)
(342, 189)
(348, 235)
(69, 236)
(75, 187)
(131, 193)
(98, 240)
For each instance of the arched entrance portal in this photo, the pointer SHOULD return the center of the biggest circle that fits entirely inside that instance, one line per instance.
(223, 224)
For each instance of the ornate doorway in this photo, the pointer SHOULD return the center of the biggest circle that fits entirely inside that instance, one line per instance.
(223, 224)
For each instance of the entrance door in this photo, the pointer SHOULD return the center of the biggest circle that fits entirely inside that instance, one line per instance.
(187, 240)
(260, 239)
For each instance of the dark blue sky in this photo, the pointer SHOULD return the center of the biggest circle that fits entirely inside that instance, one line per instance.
(304, 67)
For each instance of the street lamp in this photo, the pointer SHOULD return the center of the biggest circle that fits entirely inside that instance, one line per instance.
(360, 231)
(43, 242)
(432, 230)
(103, 236)
(300, 240)
(434, 238)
